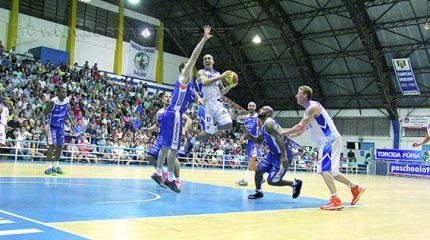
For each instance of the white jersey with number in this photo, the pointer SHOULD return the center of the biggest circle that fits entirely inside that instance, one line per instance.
(212, 91)
(215, 113)
(321, 129)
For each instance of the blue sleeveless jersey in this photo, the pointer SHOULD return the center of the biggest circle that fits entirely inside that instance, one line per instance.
(275, 151)
(251, 125)
(269, 140)
(59, 112)
(182, 97)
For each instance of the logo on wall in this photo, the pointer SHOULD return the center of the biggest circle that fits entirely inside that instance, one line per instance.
(401, 64)
(141, 61)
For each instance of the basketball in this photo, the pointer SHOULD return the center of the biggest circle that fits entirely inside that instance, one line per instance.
(231, 79)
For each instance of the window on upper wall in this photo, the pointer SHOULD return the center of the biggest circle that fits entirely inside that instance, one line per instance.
(5, 4)
(52, 10)
(410, 132)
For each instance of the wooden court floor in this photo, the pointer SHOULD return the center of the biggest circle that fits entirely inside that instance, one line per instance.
(391, 208)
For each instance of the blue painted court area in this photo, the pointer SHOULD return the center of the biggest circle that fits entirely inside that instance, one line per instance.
(17, 227)
(60, 200)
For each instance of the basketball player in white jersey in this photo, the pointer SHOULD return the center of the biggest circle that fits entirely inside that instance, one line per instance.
(318, 123)
(211, 89)
(4, 113)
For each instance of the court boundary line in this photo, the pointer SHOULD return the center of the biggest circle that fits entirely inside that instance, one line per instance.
(41, 223)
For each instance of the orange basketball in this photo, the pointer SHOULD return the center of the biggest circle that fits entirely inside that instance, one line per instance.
(231, 79)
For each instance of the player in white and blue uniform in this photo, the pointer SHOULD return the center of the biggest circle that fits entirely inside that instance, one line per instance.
(154, 150)
(322, 131)
(253, 150)
(171, 125)
(54, 117)
(278, 158)
(211, 90)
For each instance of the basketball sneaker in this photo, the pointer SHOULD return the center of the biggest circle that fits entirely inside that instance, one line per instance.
(356, 193)
(242, 183)
(179, 184)
(50, 171)
(158, 180)
(165, 176)
(334, 204)
(172, 185)
(256, 195)
(58, 170)
(297, 187)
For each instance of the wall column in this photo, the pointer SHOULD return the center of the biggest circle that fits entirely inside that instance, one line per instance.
(12, 32)
(117, 64)
(70, 47)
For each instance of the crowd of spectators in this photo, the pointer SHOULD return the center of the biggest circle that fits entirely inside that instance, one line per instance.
(108, 113)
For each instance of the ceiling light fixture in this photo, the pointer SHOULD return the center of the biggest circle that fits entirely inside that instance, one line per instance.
(256, 39)
(133, 1)
(146, 33)
(427, 24)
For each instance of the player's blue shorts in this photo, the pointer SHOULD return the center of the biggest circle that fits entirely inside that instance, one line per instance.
(272, 165)
(155, 148)
(54, 135)
(253, 150)
(171, 130)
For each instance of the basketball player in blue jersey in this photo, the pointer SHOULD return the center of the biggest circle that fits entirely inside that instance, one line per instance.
(277, 159)
(318, 123)
(211, 89)
(171, 125)
(252, 149)
(156, 146)
(53, 117)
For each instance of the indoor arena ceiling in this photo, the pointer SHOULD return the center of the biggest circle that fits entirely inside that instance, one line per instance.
(342, 48)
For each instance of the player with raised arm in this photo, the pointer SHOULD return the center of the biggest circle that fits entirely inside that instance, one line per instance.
(171, 125)
(153, 151)
(211, 88)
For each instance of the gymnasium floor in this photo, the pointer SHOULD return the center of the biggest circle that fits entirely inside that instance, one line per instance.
(110, 202)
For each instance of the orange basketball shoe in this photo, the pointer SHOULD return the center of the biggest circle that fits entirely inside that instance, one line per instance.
(356, 193)
(334, 204)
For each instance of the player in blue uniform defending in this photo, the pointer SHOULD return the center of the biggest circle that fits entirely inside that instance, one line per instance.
(54, 116)
(171, 124)
(252, 149)
(277, 159)
(153, 151)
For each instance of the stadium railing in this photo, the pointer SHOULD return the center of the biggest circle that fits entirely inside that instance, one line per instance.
(25, 150)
